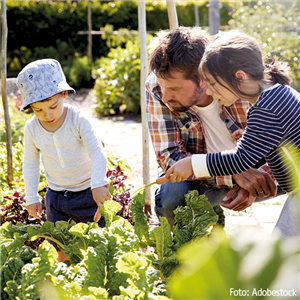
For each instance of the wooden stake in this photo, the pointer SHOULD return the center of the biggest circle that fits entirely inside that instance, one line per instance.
(3, 91)
(144, 74)
(173, 20)
(214, 16)
(90, 43)
(197, 22)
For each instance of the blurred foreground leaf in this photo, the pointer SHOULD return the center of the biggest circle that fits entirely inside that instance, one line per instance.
(218, 267)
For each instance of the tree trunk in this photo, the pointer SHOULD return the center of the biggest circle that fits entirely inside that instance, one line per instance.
(3, 91)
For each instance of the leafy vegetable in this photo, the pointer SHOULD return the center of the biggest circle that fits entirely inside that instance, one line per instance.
(104, 262)
(141, 226)
(167, 260)
(195, 220)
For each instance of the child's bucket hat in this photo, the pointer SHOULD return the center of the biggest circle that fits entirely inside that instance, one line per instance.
(40, 80)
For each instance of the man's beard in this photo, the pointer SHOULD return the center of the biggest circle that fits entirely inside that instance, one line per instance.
(181, 108)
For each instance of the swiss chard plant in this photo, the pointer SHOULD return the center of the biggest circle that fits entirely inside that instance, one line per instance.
(116, 262)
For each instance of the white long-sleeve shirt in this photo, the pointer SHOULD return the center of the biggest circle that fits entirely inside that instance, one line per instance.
(72, 156)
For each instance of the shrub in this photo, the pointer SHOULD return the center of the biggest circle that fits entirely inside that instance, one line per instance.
(80, 73)
(60, 21)
(117, 86)
(29, 22)
(17, 154)
(17, 123)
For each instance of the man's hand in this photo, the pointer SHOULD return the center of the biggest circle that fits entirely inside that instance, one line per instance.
(35, 210)
(240, 202)
(257, 182)
(100, 195)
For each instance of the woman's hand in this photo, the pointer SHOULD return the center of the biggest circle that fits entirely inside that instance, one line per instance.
(237, 134)
(181, 171)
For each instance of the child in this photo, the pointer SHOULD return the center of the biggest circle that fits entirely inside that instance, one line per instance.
(233, 68)
(70, 149)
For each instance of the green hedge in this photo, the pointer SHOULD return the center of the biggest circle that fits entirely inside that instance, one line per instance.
(39, 29)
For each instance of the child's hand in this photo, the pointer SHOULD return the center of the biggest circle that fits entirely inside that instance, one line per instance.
(97, 215)
(181, 171)
(100, 195)
(237, 134)
(35, 210)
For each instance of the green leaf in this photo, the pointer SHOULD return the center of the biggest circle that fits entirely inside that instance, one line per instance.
(114, 277)
(79, 229)
(111, 188)
(167, 261)
(8, 230)
(33, 275)
(126, 237)
(59, 233)
(135, 266)
(95, 263)
(109, 211)
(76, 247)
(47, 255)
(206, 264)
(163, 236)
(99, 292)
(141, 226)
(27, 254)
(247, 261)
(132, 264)
(11, 270)
(11, 289)
(46, 228)
(219, 211)
(195, 220)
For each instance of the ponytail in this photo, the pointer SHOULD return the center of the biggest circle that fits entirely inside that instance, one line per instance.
(278, 72)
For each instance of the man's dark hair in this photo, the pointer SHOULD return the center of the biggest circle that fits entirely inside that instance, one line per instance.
(179, 50)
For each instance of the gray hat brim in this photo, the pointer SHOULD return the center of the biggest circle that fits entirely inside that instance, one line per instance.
(30, 99)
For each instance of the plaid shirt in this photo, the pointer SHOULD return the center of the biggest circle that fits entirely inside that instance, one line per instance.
(176, 135)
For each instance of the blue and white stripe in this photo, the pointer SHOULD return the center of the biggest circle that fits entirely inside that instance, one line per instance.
(273, 122)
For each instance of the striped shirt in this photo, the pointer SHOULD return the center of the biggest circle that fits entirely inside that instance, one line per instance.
(176, 135)
(273, 123)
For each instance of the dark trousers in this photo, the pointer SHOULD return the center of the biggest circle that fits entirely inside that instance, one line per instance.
(65, 205)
